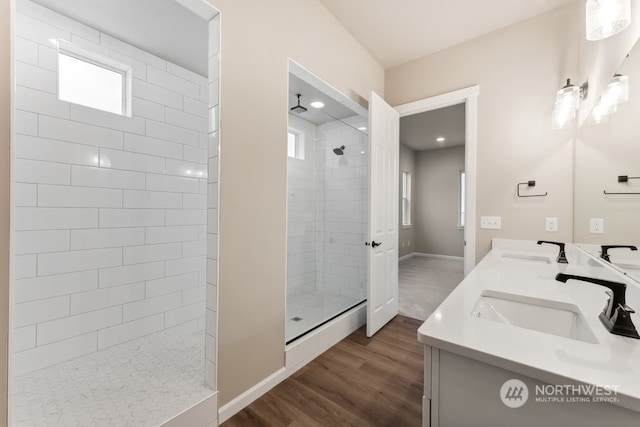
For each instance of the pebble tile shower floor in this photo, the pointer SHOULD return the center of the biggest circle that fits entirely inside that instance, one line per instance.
(144, 382)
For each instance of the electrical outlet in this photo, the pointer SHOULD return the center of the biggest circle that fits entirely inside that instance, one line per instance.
(552, 225)
(596, 226)
(491, 222)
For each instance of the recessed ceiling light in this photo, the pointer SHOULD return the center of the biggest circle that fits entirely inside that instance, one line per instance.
(317, 104)
(440, 139)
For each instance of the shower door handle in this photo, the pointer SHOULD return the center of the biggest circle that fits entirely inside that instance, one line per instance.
(373, 244)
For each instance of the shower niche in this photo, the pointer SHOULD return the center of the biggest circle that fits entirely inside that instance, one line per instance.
(327, 196)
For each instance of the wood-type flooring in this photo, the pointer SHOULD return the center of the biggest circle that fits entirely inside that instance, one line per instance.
(358, 382)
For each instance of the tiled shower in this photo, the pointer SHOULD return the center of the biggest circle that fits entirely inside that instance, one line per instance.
(327, 216)
(115, 232)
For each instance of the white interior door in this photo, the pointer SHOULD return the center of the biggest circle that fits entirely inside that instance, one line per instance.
(384, 136)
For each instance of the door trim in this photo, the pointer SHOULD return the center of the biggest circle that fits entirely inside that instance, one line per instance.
(468, 96)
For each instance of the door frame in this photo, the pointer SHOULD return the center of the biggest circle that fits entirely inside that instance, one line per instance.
(468, 96)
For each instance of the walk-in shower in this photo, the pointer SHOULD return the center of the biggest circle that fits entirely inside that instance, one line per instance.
(113, 306)
(327, 177)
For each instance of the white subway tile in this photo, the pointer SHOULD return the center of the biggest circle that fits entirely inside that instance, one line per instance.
(57, 20)
(89, 259)
(37, 78)
(171, 234)
(68, 327)
(213, 93)
(35, 148)
(151, 199)
(156, 94)
(48, 57)
(108, 178)
(184, 314)
(28, 99)
(106, 238)
(55, 218)
(212, 221)
(52, 354)
(62, 196)
(204, 95)
(122, 47)
(212, 196)
(194, 201)
(203, 140)
(195, 295)
(185, 74)
(150, 306)
(204, 187)
(193, 106)
(24, 266)
(213, 146)
(37, 30)
(191, 249)
(187, 169)
(186, 120)
(116, 159)
(57, 285)
(29, 313)
(130, 274)
(29, 171)
(195, 154)
(172, 82)
(107, 297)
(202, 232)
(211, 319)
(213, 171)
(130, 330)
(186, 216)
(92, 116)
(210, 347)
(172, 183)
(170, 285)
(25, 194)
(172, 133)
(212, 272)
(70, 131)
(150, 110)
(185, 265)
(26, 123)
(139, 68)
(157, 147)
(33, 242)
(212, 246)
(23, 338)
(151, 253)
(25, 50)
(212, 297)
(131, 217)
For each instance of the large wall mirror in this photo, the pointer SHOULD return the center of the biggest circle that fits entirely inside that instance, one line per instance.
(607, 178)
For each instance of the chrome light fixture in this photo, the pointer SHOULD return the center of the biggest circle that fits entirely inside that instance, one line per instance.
(616, 92)
(607, 17)
(567, 102)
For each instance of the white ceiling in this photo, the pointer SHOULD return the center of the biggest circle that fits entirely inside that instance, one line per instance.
(399, 31)
(419, 131)
(161, 27)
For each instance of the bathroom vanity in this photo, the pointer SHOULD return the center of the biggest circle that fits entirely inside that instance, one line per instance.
(512, 345)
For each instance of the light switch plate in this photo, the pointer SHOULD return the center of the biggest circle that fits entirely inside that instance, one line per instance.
(552, 225)
(596, 226)
(491, 222)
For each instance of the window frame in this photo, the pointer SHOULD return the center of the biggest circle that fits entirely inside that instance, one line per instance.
(462, 190)
(299, 144)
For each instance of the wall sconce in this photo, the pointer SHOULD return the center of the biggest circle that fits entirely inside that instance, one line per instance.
(607, 17)
(616, 92)
(567, 103)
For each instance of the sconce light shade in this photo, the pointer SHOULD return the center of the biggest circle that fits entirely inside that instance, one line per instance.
(616, 92)
(567, 102)
(607, 17)
(619, 87)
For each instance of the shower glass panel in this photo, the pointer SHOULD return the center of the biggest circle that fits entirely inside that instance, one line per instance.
(327, 178)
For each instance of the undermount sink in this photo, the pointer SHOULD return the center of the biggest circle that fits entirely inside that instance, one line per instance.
(551, 317)
(526, 257)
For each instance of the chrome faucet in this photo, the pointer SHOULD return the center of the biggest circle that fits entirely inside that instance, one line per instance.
(604, 254)
(562, 257)
(616, 315)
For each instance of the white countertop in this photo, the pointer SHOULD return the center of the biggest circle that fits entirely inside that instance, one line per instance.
(613, 361)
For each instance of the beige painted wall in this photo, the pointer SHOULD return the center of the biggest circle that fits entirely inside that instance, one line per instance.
(257, 38)
(437, 192)
(518, 69)
(5, 156)
(406, 235)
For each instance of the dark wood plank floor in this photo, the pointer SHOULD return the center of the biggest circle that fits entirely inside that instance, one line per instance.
(359, 382)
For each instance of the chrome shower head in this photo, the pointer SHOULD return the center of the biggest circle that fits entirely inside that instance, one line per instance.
(339, 151)
(298, 108)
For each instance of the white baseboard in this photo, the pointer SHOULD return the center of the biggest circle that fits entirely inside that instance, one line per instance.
(421, 254)
(245, 399)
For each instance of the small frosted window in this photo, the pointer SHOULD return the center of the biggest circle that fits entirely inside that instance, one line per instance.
(89, 84)
(295, 144)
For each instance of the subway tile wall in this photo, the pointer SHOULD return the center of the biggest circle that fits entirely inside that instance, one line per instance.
(327, 210)
(112, 238)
